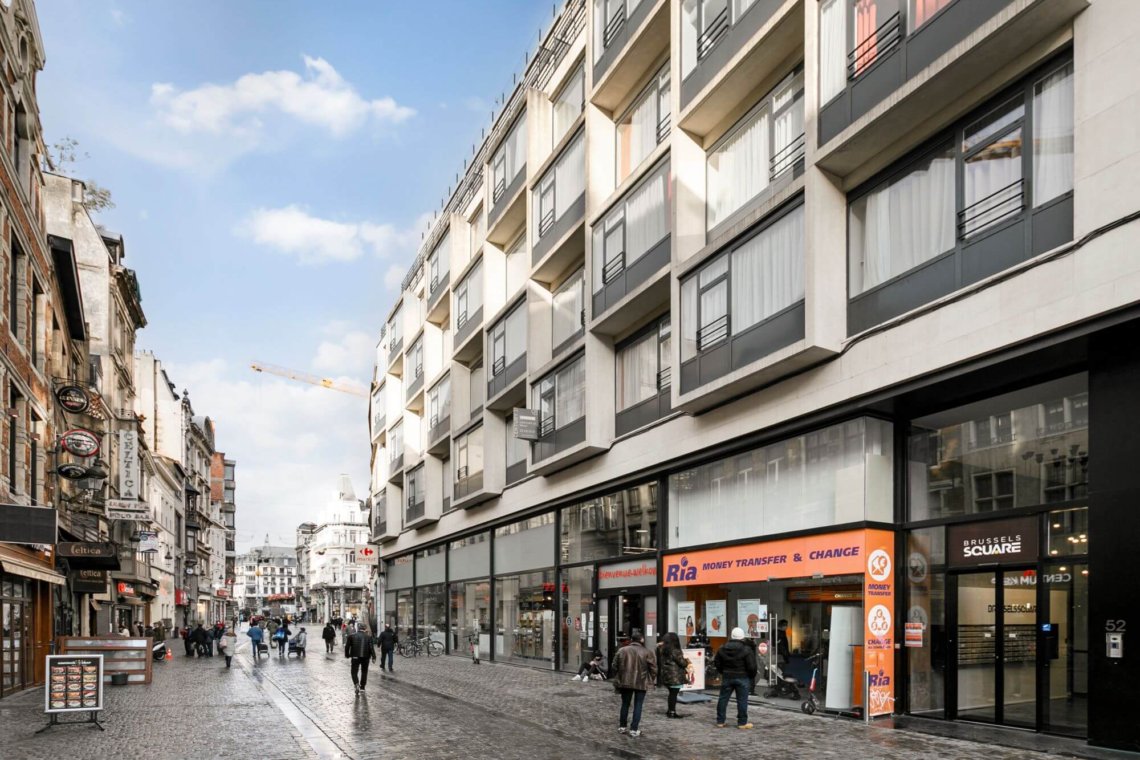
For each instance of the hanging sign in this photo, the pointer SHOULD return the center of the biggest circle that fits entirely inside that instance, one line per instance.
(126, 589)
(75, 683)
(526, 424)
(80, 442)
(73, 398)
(120, 509)
(72, 471)
(128, 464)
(148, 541)
(366, 555)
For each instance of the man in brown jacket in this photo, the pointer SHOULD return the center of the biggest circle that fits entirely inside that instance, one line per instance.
(636, 669)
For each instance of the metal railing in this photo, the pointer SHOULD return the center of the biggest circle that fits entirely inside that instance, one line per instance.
(546, 425)
(500, 188)
(712, 34)
(664, 378)
(498, 366)
(433, 284)
(712, 333)
(461, 473)
(546, 223)
(998, 205)
(612, 268)
(419, 371)
(663, 127)
(787, 157)
(880, 42)
(434, 421)
(613, 26)
(460, 319)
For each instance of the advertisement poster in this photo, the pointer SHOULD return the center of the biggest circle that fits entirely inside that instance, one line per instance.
(749, 615)
(879, 627)
(715, 617)
(148, 541)
(695, 673)
(75, 683)
(914, 633)
(687, 618)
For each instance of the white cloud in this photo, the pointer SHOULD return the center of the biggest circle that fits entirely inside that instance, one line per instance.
(290, 441)
(394, 276)
(320, 98)
(118, 17)
(346, 352)
(312, 240)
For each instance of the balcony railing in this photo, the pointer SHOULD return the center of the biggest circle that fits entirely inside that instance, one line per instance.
(663, 127)
(712, 333)
(998, 205)
(500, 188)
(664, 378)
(546, 223)
(546, 425)
(460, 320)
(712, 34)
(787, 157)
(880, 42)
(498, 366)
(613, 26)
(614, 267)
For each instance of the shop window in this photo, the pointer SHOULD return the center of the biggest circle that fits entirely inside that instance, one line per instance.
(524, 612)
(1067, 532)
(577, 605)
(471, 617)
(618, 524)
(1020, 449)
(431, 612)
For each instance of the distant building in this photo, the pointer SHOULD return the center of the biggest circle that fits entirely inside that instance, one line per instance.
(336, 580)
(266, 580)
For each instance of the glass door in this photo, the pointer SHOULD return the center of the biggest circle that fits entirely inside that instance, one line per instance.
(12, 653)
(996, 647)
(1064, 627)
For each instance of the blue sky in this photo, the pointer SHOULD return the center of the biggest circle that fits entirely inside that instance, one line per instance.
(272, 163)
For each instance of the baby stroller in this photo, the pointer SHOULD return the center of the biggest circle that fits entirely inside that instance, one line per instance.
(786, 687)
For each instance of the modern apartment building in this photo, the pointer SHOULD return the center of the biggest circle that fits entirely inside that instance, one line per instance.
(803, 316)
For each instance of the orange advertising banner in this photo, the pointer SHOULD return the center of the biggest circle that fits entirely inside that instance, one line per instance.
(831, 554)
(879, 624)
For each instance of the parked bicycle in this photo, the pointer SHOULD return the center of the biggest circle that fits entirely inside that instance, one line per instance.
(415, 647)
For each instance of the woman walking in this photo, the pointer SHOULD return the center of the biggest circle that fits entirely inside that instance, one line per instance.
(227, 645)
(673, 670)
(329, 635)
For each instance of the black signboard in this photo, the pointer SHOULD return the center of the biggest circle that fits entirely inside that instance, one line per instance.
(92, 554)
(526, 424)
(74, 683)
(1011, 541)
(86, 581)
(27, 525)
(73, 398)
(72, 471)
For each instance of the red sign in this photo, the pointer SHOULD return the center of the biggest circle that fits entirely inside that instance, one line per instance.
(181, 598)
(221, 593)
(126, 589)
(81, 443)
(366, 552)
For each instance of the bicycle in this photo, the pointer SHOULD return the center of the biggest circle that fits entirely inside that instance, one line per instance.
(426, 645)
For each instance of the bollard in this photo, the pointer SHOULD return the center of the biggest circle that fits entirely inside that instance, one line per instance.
(867, 696)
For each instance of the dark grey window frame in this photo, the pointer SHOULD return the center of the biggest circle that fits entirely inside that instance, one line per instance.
(502, 185)
(656, 407)
(664, 123)
(395, 342)
(1019, 236)
(724, 39)
(580, 272)
(415, 500)
(516, 471)
(466, 320)
(556, 436)
(466, 482)
(616, 34)
(416, 370)
(439, 419)
(504, 370)
(579, 69)
(726, 350)
(550, 227)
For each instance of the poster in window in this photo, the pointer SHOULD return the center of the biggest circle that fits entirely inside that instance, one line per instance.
(749, 614)
(715, 617)
(687, 618)
(694, 669)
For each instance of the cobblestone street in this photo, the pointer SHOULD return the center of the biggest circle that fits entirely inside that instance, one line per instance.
(441, 707)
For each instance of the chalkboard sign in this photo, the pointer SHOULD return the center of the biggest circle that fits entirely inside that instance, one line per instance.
(74, 683)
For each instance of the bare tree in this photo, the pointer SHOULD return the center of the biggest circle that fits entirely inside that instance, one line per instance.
(64, 155)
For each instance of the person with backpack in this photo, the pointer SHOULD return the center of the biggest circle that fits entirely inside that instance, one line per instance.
(636, 673)
(674, 670)
(736, 663)
(281, 638)
(358, 647)
(329, 636)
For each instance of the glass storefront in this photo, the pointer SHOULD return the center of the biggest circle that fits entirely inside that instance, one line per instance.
(577, 617)
(615, 525)
(471, 617)
(524, 613)
(431, 612)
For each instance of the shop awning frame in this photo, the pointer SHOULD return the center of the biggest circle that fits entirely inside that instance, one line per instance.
(29, 570)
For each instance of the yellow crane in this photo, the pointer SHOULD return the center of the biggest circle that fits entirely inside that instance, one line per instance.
(304, 377)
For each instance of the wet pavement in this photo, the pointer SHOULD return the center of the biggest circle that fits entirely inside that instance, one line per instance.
(442, 707)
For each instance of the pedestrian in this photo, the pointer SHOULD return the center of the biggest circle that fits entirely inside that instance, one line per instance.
(202, 641)
(359, 648)
(281, 637)
(271, 628)
(256, 636)
(388, 643)
(636, 669)
(674, 668)
(299, 642)
(227, 645)
(187, 641)
(594, 669)
(736, 663)
(329, 635)
(139, 630)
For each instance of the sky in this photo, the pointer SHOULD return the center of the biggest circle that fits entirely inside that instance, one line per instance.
(274, 164)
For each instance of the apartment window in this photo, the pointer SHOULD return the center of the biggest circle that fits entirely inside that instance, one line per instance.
(414, 494)
(478, 389)
(644, 126)
(476, 230)
(704, 23)
(439, 402)
(921, 11)
(509, 159)
(396, 330)
(35, 333)
(993, 491)
(396, 442)
(568, 104)
(416, 357)
(439, 263)
(633, 228)
(562, 185)
(15, 267)
(765, 145)
(22, 147)
(992, 430)
(178, 534)
(468, 458)
(469, 295)
(508, 339)
(568, 318)
(15, 405)
(36, 428)
(643, 367)
(445, 474)
(516, 450)
(517, 267)
(560, 397)
(922, 210)
(756, 280)
(610, 17)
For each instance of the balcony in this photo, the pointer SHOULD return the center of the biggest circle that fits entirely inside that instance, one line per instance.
(648, 411)
(396, 356)
(396, 468)
(416, 514)
(735, 50)
(415, 389)
(439, 432)
(900, 75)
(468, 325)
(470, 489)
(632, 42)
(438, 304)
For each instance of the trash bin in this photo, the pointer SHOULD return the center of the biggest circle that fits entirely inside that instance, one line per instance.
(118, 679)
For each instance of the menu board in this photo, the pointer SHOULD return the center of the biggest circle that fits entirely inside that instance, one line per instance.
(74, 683)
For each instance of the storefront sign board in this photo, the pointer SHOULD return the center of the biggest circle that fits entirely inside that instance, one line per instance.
(148, 541)
(75, 683)
(86, 581)
(628, 574)
(695, 669)
(367, 555)
(128, 464)
(878, 614)
(997, 541)
(122, 509)
(716, 617)
(687, 618)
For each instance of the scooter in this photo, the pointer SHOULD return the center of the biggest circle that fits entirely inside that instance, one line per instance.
(811, 704)
(158, 651)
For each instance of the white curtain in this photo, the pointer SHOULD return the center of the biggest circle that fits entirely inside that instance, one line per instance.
(788, 125)
(516, 269)
(690, 18)
(477, 388)
(642, 130)
(568, 104)
(1053, 135)
(443, 394)
(473, 283)
(599, 29)
(516, 334)
(567, 309)
(570, 384)
(738, 170)
(832, 48)
(570, 177)
(898, 226)
(637, 372)
(646, 218)
(768, 272)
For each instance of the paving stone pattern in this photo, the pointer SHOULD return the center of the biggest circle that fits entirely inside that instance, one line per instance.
(442, 707)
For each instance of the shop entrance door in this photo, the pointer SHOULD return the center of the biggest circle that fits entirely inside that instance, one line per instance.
(14, 652)
(995, 644)
(623, 613)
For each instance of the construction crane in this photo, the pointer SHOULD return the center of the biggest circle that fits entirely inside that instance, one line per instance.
(304, 377)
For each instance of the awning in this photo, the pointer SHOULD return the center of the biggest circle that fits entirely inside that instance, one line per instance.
(129, 602)
(28, 570)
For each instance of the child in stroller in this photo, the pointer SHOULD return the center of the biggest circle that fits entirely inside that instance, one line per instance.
(297, 643)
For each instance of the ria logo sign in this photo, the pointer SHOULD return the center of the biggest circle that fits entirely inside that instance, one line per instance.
(680, 572)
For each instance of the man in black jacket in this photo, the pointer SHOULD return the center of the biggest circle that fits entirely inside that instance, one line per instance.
(388, 643)
(736, 663)
(359, 647)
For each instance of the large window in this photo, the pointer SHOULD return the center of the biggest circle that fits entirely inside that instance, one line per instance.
(517, 266)
(396, 331)
(568, 309)
(742, 288)
(439, 402)
(840, 474)
(471, 617)
(469, 462)
(414, 495)
(516, 454)
(643, 367)
(1020, 449)
(508, 339)
(610, 17)
(509, 159)
(416, 360)
(524, 613)
(644, 126)
(615, 525)
(438, 263)
(633, 228)
(469, 295)
(765, 145)
(477, 390)
(560, 187)
(568, 104)
(396, 442)
(560, 396)
(968, 186)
